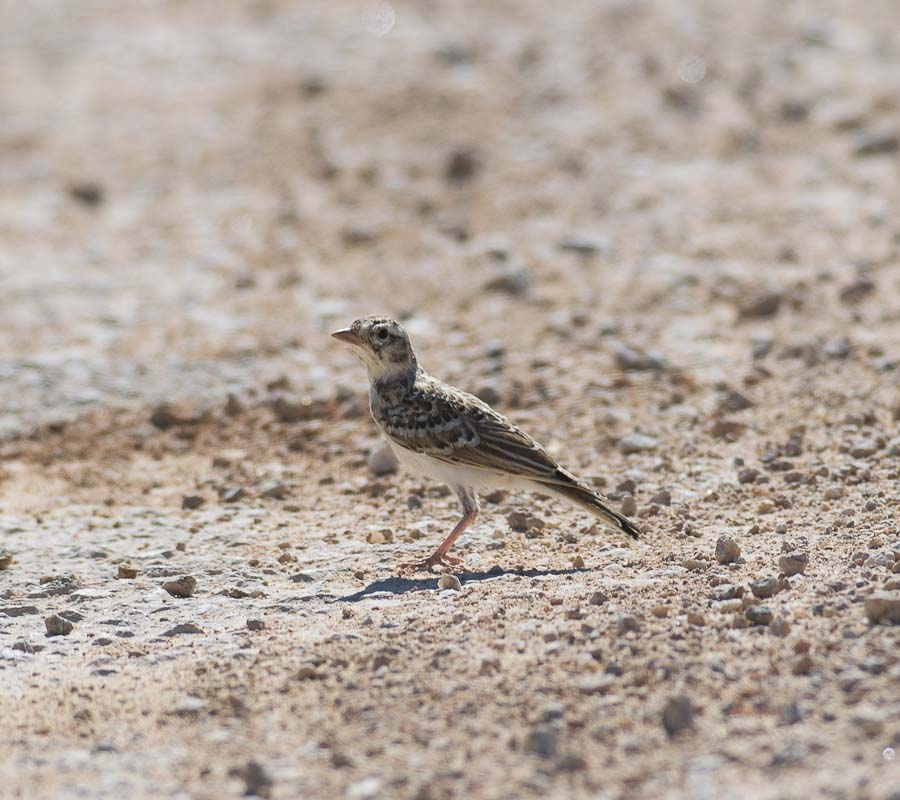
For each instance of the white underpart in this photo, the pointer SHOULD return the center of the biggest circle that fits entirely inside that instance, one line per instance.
(456, 474)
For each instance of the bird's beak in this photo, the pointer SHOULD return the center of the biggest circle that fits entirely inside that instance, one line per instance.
(347, 335)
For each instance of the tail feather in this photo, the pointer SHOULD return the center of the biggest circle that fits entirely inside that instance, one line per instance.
(588, 499)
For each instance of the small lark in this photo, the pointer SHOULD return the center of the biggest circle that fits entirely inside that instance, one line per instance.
(454, 437)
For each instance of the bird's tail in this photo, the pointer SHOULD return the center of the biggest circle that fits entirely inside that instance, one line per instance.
(588, 499)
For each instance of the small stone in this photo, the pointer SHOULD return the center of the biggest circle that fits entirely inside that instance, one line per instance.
(57, 626)
(301, 577)
(183, 628)
(636, 443)
(629, 505)
(383, 536)
(727, 550)
(598, 599)
(662, 498)
(858, 290)
(838, 348)
(803, 665)
(883, 606)
(864, 447)
(696, 618)
(233, 494)
(661, 611)
(626, 623)
(255, 625)
(189, 706)
(257, 781)
(578, 562)
(876, 142)
(749, 475)
(761, 305)
(6, 558)
(834, 493)
(382, 460)
(190, 502)
(630, 359)
(414, 501)
(875, 542)
(694, 564)
(462, 165)
(181, 587)
(677, 715)
(126, 572)
(542, 742)
(88, 193)
(766, 587)
(597, 684)
(520, 521)
(759, 615)
(734, 401)
(793, 563)
(514, 281)
(449, 582)
(779, 627)
(18, 611)
(585, 244)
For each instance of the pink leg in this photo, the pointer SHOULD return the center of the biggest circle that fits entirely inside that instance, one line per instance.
(468, 502)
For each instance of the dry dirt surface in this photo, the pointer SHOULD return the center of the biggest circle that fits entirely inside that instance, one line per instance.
(663, 237)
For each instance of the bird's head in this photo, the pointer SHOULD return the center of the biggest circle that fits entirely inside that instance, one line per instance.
(381, 344)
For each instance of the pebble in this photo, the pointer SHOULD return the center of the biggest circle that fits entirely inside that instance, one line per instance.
(696, 618)
(578, 562)
(233, 494)
(449, 582)
(694, 564)
(631, 359)
(462, 165)
(181, 587)
(636, 443)
(126, 572)
(661, 611)
(883, 606)
(384, 536)
(542, 742)
(190, 502)
(803, 665)
(662, 498)
(766, 587)
(734, 401)
(257, 781)
(520, 521)
(727, 550)
(382, 460)
(793, 563)
(761, 305)
(598, 599)
(779, 627)
(677, 715)
(6, 558)
(255, 625)
(876, 142)
(189, 706)
(863, 447)
(626, 623)
(597, 684)
(414, 501)
(182, 628)
(759, 615)
(629, 505)
(513, 282)
(57, 626)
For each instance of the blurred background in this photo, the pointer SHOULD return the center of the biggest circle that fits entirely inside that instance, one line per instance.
(194, 193)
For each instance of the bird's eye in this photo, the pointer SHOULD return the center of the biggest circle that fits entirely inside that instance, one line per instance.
(382, 334)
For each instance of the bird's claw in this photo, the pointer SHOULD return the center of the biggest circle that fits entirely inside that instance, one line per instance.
(429, 563)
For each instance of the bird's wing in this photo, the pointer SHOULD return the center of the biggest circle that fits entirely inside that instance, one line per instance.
(458, 428)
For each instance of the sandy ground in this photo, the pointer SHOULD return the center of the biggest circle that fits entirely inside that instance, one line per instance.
(662, 236)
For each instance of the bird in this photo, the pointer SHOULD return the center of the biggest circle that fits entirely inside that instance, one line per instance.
(454, 437)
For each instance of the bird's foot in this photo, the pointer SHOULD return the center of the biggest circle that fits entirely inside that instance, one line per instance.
(432, 561)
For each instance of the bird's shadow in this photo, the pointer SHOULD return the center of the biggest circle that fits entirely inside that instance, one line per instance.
(397, 585)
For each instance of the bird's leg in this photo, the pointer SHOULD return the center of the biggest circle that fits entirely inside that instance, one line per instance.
(468, 502)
